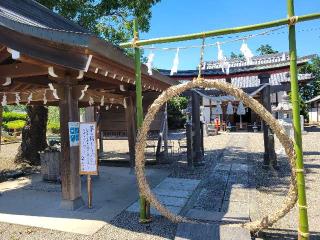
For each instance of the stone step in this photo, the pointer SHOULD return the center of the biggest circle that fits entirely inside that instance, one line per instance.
(214, 216)
(188, 231)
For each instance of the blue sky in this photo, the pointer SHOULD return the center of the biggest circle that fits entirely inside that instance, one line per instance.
(175, 17)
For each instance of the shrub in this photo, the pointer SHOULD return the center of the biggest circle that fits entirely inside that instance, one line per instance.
(13, 116)
(53, 127)
(176, 119)
(16, 125)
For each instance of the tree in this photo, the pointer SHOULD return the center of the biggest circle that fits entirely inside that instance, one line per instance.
(33, 135)
(266, 49)
(176, 118)
(309, 90)
(110, 20)
(236, 56)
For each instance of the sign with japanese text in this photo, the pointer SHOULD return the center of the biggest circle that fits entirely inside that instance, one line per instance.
(88, 149)
(74, 133)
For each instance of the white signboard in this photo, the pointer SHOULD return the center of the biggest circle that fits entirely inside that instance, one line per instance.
(74, 133)
(88, 149)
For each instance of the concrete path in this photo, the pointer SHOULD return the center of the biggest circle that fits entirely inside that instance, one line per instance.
(172, 193)
(223, 198)
(31, 202)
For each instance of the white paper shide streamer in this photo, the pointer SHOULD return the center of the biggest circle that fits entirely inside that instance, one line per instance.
(102, 101)
(91, 101)
(30, 98)
(54, 91)
(124, 103)
(4, 100)
(224, 64)
(83, 92)
(175, 65)
(45, 100)
(150, 62)
(245, 50)
(18, 98)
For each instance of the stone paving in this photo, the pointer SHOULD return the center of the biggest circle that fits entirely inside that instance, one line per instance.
(172, 193)
(223, 198)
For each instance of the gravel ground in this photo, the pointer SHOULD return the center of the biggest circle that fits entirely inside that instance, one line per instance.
(271, 187)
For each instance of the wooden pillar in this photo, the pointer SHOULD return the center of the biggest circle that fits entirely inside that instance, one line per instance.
(270, 156)
(196, 127)
(131, 128)
(165, 132)
(69, 162)
(1, 121)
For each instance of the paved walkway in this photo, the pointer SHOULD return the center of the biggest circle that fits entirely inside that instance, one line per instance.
(222, 198)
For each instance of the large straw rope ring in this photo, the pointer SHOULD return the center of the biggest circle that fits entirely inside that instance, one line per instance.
(270, 218)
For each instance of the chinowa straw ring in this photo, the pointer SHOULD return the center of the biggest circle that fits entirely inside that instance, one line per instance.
(270, 218)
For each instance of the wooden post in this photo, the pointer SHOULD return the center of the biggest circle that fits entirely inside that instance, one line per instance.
(89, 187)
(165, 132)
(1, 121)
(131, 129)
(196, 128)
(189, 144)
(70, 178)
(270, 156)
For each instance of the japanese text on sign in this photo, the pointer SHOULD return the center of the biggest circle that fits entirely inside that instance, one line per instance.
(88, 149)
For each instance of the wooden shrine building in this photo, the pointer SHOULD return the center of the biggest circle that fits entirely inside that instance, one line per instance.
(266, 78)
(48, 60)
(265, 73)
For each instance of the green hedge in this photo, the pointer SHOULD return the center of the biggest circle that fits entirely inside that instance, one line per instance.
(13, 116)
(16, 125)
(53, 127)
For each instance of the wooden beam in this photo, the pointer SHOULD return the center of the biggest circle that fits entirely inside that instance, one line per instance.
(17, 70)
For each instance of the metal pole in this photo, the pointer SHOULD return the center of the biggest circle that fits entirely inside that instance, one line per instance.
(303, 232)
(219, 32)
(144, 205)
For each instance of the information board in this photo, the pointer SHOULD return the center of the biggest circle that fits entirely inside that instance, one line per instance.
(88, 149)
(74, 133)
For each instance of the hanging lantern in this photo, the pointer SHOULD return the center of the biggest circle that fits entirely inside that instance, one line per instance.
(175, 65)
(150, 62)
(241, 111)
(247, 53)
(4, 100)
(229, 109)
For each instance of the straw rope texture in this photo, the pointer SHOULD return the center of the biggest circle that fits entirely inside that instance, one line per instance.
(271, 217)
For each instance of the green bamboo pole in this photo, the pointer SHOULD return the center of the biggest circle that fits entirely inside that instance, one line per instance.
(144, 205)
(220, 32)
(303, 215)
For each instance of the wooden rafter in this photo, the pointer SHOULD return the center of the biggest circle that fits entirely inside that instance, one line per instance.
(17, 70)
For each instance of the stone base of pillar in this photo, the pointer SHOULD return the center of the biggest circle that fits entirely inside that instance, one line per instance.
(72, 205)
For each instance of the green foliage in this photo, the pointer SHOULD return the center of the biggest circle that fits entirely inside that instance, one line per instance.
(176, 119)
(266, 49)
(12, 116)
(54, 127)
(14, 108)
(16, 125)
(236, 56)
(110, 19)
(53, 124)
(309, 90)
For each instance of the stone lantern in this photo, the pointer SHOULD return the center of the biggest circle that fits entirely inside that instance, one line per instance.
(284, 110)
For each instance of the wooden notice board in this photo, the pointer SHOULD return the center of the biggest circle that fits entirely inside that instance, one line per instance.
(88, 148)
